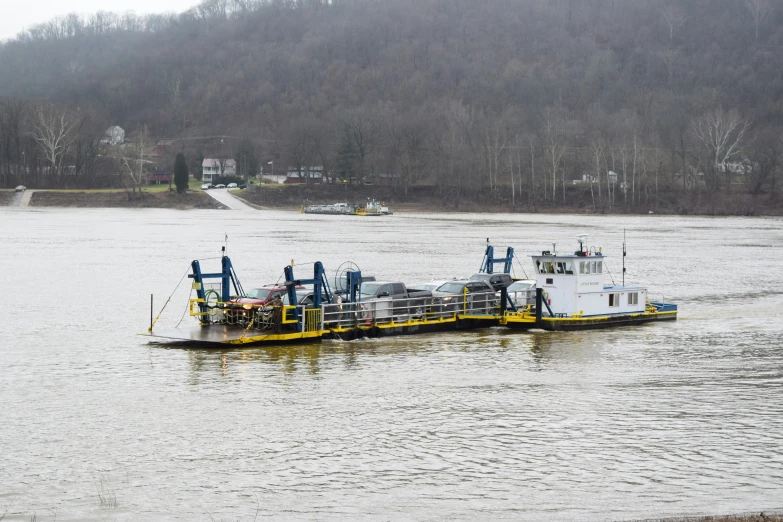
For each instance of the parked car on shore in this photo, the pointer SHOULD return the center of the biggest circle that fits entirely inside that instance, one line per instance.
(220, 185)
(21, 188)
(231, 185)
(205, 186)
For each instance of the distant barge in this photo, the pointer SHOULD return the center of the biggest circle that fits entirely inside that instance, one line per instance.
(370, 208)
(570, 294)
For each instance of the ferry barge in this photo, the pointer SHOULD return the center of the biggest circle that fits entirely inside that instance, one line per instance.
(569, 295)
(370, 208)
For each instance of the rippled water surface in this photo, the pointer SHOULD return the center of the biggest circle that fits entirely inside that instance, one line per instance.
(667, 419)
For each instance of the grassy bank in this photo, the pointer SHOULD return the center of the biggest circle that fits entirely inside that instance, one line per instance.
(114, 199)
(750, 517)
(428, 198)
(5, 197)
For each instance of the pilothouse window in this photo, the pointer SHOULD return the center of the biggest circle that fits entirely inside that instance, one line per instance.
(587, 267)
(546, 267)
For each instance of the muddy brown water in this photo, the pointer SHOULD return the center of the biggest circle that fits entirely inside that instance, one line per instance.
(669, 419)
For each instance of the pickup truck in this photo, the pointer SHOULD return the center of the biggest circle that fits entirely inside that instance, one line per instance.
(394, 299)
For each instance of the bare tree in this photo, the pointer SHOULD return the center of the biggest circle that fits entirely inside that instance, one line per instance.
(409, 149)
(759, 9)
(302, 148)
(721, 135)
(598, 155)
(493, 143)
(132, 157)
(364, 131)
(675, 17)
(554, 146)
(53, 130)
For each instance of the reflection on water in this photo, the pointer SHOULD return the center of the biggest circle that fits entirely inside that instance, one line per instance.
(660, 420)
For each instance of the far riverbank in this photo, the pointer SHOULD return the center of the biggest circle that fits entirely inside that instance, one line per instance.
(116, 199)
(417, 199)
(429, 199)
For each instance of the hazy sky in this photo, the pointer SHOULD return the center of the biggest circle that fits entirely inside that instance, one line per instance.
(16, 15)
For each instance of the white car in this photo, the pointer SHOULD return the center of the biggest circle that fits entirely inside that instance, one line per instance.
(231, 185)
(205, 186)
(523, 292)
(21, 188)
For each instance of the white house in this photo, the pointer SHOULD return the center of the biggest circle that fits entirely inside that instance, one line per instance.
(114, 136)
(296, 175)
(589, 179)
(212, 168)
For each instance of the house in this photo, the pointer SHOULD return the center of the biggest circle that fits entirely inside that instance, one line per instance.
(589, 179)
(298, 175)
(212, 168)
(273, 178)
(385, 178)
(162, 147)
(159, 176)
(114, 136)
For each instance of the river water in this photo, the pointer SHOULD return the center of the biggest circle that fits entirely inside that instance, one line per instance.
(668, 419)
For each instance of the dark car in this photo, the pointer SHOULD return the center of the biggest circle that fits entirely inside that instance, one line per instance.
(303, 297)
(496, 281)
(466, 296)
(262, 295)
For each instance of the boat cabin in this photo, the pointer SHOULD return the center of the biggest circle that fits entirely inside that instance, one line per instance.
(573, 285)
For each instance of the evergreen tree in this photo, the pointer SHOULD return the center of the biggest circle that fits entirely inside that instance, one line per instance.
(347, 157)
(181, 173)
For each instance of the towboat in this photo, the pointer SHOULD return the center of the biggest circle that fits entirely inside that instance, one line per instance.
(572, 294)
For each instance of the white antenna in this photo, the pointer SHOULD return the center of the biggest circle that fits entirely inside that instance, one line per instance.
(624, 254)
(581, 238)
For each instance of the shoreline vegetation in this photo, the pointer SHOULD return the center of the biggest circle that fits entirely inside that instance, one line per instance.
(430, 199)
(747, 517)
(417, 199)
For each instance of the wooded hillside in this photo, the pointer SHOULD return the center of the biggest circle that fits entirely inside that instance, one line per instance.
(465, 95)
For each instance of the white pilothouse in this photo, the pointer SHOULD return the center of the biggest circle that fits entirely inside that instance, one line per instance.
(573, 285)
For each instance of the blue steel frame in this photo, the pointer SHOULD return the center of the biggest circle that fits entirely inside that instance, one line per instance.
(321, 291)
(227, 276)
(488, 267)
(353, 292)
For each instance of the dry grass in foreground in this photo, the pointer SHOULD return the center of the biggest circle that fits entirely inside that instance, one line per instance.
(748, 517)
